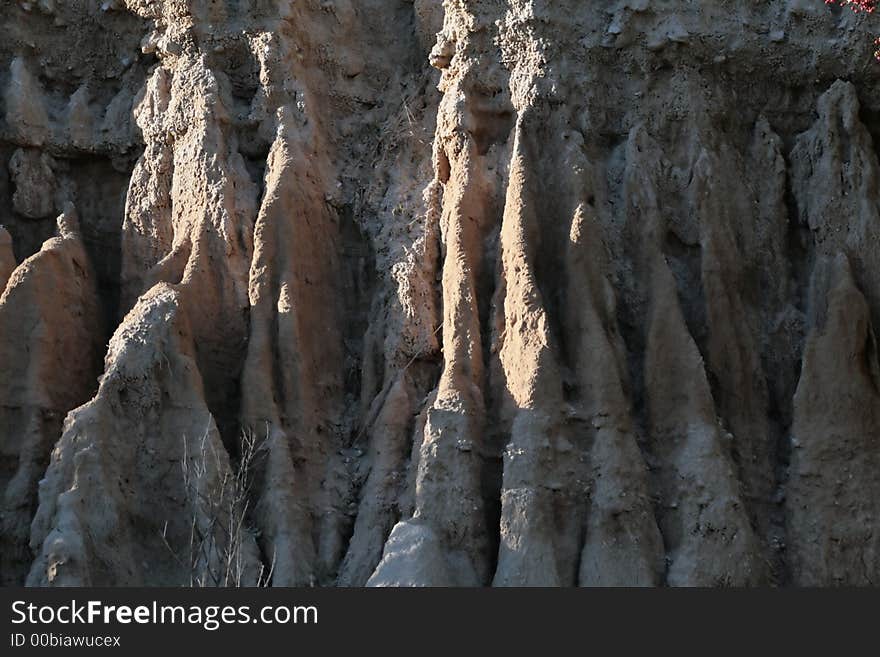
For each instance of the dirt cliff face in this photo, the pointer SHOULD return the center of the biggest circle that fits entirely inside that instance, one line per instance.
(397, 292)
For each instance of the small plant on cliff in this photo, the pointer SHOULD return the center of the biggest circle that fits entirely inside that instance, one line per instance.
(860, 7)
(218, 527)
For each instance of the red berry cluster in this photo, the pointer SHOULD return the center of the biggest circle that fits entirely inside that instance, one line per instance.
(856, 5)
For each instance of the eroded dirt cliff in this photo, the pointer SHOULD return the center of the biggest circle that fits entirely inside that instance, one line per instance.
(473, 293)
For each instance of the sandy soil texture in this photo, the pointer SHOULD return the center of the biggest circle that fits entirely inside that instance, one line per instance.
(410, 292)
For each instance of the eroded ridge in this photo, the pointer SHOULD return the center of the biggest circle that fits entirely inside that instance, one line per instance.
(481, 293)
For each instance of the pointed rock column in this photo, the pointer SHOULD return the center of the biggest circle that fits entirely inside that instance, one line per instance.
(448, 518)
(50, 346)
(707, 531)
(623, 545)
(292, 386)
(529, 554)
(833, 496)
(733, 355)
(148, 448)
